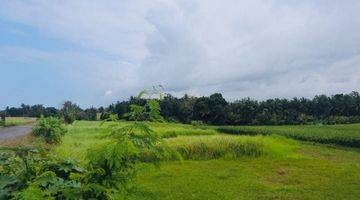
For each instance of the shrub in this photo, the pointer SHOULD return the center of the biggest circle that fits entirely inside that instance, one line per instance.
(50, 128)
(32, 174)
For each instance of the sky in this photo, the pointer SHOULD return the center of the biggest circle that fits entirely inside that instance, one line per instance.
(97, 52)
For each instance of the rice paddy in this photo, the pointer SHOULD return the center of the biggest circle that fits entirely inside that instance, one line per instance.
(214, 165)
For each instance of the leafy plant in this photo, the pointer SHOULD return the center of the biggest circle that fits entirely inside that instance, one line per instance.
(151, 111)
(137, 113)
(154, 110)
(28, 173)
(70, 112)
(114, 164)
(50, 128)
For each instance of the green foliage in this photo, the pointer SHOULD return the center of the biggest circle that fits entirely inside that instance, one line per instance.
(28, 173)
(137, 113)
(328, 134)
(151, 111)
(154, 112)
(69, 112)
(114, 163)
(50, 128)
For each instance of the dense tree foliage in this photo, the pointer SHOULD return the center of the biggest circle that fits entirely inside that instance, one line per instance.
(30, 111)
(339, 108)
(69, 111)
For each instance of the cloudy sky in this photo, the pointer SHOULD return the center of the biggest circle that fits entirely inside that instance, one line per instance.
(97, 52)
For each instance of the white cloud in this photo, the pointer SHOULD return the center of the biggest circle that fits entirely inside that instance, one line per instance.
(108, 93)
(241, 48)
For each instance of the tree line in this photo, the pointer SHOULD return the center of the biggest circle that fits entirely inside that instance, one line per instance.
(214, 109)
(69, 111)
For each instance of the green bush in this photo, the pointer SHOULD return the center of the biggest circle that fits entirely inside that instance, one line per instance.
(50, 128)
(28, 173)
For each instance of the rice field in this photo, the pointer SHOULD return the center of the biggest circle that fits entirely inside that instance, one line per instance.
(345, 135)
(16, 121)
(214, 165)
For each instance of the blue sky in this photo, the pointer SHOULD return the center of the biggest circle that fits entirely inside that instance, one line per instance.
(97, 52)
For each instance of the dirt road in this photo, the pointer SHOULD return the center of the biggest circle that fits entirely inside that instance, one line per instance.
(14, 131)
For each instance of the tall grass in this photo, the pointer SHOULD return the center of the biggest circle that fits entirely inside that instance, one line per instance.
(215, 147)
(169, 130)
(346, 135)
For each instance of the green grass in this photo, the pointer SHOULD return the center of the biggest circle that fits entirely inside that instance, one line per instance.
(285, 168)
(17, 121)
(248, 178)
(346, 135)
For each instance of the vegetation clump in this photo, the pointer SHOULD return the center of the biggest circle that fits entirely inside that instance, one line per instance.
(28, 173)
(50, 128)
(215, 147)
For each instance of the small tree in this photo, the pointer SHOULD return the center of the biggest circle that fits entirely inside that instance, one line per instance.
(137, 113)
(113, 165)
(151, 110)
(69, 112)
(154, 110)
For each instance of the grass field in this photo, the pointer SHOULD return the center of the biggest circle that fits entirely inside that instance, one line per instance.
(16, 121)
(219, 166)
(346, 135)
